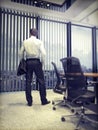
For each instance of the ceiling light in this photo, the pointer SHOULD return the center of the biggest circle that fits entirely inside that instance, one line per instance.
(41, 3)
(35, 2)
(48, 5)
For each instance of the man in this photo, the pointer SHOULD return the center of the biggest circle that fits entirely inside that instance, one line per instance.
(35, 53)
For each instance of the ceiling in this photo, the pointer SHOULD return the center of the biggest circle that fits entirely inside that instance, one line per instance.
(81, 11)
(59, 2)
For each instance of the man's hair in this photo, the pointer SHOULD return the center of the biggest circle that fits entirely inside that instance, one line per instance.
(33, 32)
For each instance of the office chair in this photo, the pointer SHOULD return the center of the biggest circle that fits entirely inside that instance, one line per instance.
(59, 87)
(76, 87)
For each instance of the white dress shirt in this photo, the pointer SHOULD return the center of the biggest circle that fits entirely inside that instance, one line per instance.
(33, 48)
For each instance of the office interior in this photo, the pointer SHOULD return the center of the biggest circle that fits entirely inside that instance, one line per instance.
(67, 28)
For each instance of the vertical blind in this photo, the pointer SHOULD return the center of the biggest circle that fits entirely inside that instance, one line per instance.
(15, 28)
(53, 34)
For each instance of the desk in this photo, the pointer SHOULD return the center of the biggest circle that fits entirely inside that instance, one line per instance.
(95, 76)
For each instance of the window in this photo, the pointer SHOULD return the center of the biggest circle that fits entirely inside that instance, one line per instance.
(97, 47)
(53, 34)
(82, 46)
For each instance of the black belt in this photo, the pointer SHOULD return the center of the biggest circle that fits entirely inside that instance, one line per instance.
(33, 59)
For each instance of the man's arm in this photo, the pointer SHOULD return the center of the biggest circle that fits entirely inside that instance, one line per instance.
(43, 53)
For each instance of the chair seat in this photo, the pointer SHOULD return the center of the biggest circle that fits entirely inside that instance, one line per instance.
(93, 107)
(59, 89)
(88, 94)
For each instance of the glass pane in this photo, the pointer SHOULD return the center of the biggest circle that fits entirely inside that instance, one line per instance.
(53, 34)
(97, 47)
(82, 46)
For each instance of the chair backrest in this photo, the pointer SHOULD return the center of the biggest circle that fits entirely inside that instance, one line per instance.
(74, 76)
(60, 86)
(56, 72)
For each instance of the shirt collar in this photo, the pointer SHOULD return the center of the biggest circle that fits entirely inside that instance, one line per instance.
(33, 36)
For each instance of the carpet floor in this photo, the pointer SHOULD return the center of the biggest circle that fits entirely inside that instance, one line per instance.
(16, 115)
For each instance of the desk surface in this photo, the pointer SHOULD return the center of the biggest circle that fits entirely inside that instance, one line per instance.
(91, 74)
(85, 74)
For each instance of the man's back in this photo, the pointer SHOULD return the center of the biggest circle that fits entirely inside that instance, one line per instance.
(32, 47)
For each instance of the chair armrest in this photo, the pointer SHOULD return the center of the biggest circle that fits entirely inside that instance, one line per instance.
(89, 83)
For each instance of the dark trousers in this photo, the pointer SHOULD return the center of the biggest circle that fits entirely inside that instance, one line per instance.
(34, 65)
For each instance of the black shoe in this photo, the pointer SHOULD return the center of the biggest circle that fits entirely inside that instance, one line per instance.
(29, 104)
(45, 103)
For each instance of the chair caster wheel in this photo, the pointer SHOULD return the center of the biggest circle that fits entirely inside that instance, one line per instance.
(63, 119)
(64, 98)
(72, 110)
(52, 102)
(83, 121)
(77, 113)
(76, 129)
(54, 108)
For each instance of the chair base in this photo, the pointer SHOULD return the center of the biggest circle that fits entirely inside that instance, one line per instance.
(82, 117)
(58, 103)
